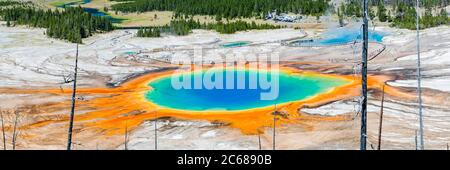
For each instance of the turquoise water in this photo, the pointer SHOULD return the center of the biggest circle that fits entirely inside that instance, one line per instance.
(74, 3)
(343, 36)
(235, 44)
(96, 12)
(291, 88)
(130, 53)
(92, 11)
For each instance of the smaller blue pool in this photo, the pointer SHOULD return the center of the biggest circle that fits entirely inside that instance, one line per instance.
(92, 11)
(342, 36)
(74, 3)
(97, 13)
(235, 44)
(130, 53)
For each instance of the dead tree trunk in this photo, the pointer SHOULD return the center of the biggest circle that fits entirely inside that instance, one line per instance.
(3, 130)
(274, 126)
(15, 132)
(381, 121)
(415, 139)
(126, 135)
(72, 113)
(259, 141)
(156, 133)
(363, 137)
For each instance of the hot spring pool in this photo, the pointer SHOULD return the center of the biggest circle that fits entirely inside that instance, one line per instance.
(235, 44)
(63, 5)
(92, 11)
(291, 88)
(343, 36)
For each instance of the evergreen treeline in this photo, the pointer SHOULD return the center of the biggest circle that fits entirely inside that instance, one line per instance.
(226, 8)
(402, 14)
(185, 27)
(233, 27)
(71, 24)
(405, 17)
(149, 32)
(423, 3)
(10, 3)
(435, 3)
(351, 8)
(381, 11)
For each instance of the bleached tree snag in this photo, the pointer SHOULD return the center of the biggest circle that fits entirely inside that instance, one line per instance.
(415, 140)
(156, 131)
(419, 79)
(259, 140)
(72, 113)
(126, 135)
(365, 46)
(381, 121)
(3, 130)
(275, 112)
(15, 131)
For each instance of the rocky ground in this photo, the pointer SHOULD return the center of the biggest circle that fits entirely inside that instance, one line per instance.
(29, 60)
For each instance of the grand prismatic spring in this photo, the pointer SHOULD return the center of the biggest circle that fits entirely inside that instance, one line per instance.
(290, 88)
(140, 99)
(125, 55)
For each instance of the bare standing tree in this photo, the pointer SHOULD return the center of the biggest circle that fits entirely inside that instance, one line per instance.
(363, 136)
(419, 78)
(156, 130)
(259, 141)
(3, 130)
(72, 113)
(415, 140)
(381, 121)
(15, 130)
(126, 135)
(275, 112)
